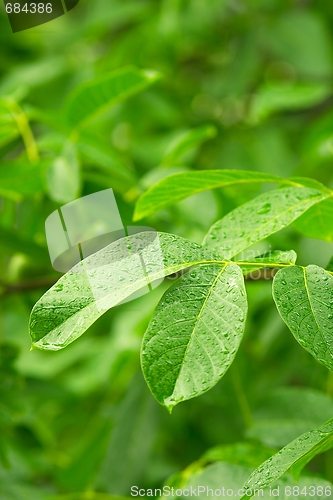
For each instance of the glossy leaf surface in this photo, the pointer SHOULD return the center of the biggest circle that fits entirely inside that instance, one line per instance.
(304, 298)
(194, 334)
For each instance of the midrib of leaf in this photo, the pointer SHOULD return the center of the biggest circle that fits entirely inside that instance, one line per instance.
(311, 307)
(198, 319)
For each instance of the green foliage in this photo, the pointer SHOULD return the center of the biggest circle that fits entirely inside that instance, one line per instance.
(231, 147)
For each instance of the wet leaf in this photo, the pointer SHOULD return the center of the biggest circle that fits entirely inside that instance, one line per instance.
(105, 279)
(194, 334)
(295, 455)
(260, 217)
(304, 298)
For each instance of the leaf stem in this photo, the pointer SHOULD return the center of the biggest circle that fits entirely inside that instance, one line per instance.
(23, 125)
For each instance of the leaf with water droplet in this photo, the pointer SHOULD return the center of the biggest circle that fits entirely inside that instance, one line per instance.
(106, 279)
(303, 297)
(256, 220)
(292, 457)
(191, 342)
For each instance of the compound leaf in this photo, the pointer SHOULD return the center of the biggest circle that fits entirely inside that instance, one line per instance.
(105, 279)
(194, 334)
(256, 220)
(92, 98)
(304, 298)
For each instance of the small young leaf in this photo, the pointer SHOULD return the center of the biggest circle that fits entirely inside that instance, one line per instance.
(260, 217)
(186, 142)
(179, 186)
(194, 334)
(304, 298)
(104, 280)
(92, 98)
(299, 451)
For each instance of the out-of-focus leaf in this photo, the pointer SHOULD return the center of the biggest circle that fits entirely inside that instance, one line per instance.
(104, 280)
(317, 222)
(301, 38)
(242, 453)
(287, 413)
(131, 441)
(104, 167)
(93, 97)
(194, 334)
(63, 176)
(294, 456)
(187, 141)
(303, 297)
(274, 98)
(260, 217)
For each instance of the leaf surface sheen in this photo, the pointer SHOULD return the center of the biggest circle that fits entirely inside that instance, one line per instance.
(194, 334)
(304, 298)
(256, 220)
(104, 280)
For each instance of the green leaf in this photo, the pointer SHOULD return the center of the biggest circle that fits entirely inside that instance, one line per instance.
(187, 141)
(317, 222)
(259, 218)
(241, 453)
(223, 479)
(104, 280)
(194, 334)
(92, 98)
(179, 186)
(63, 176)
(304, 298)
(106, 164)
(133, 436)
(295, 455)
(274, 98)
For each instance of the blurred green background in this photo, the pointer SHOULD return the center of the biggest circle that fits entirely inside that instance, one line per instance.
(257, 76)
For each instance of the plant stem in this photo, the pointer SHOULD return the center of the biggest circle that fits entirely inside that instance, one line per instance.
(23, 125)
